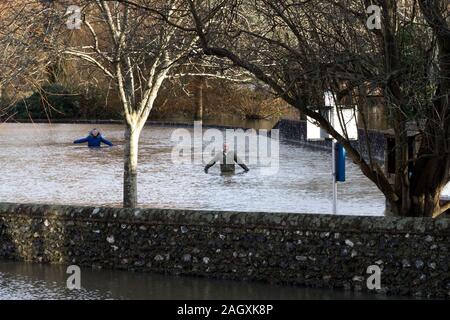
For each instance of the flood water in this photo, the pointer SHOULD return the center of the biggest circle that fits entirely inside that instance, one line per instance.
(44, 282)
(39, 164)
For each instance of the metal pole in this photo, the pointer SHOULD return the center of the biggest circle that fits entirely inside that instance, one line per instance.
(333, 173)
(334, 117)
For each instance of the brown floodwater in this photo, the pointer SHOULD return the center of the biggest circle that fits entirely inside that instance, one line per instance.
(40, 164)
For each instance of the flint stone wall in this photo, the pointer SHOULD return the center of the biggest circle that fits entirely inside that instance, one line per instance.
(304, 249)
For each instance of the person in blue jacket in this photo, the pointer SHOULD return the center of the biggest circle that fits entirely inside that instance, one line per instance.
(94, 139)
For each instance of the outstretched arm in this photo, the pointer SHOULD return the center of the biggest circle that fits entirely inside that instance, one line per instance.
(240, 162)
(209, 165)
(109, 143)
(82, 140)
(212, 162)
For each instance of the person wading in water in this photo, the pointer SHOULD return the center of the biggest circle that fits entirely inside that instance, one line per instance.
(94, 139)
(227, 161)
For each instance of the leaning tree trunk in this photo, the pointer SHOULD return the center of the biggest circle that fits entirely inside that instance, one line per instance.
(132, 133)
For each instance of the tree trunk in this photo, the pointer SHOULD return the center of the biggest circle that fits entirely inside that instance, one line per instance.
(430, 175)
(426, 205)
(426, 191)
(198, 115)
(395, 100)
(132, 133)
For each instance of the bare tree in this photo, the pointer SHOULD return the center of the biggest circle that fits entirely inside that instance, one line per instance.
(300, 49)
(137, 50)
(24, 58)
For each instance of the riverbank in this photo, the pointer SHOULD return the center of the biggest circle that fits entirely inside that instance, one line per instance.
(321, 251)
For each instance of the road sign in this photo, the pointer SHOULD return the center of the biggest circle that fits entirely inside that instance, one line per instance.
(344, 119)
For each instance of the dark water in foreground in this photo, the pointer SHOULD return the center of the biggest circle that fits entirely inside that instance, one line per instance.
(33, 281)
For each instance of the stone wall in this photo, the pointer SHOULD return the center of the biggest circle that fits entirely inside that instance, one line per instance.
(296, 131)
(305, 249)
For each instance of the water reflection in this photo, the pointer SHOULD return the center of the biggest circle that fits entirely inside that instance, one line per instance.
(33, 281)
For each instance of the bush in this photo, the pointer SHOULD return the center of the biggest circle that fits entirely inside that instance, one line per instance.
(52, 101)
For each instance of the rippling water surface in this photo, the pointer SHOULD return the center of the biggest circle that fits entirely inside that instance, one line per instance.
(33, 281)
(40, 164)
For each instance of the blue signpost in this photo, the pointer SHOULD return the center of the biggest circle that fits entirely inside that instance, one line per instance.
(340, 162)
(344, 120)
(338, 169)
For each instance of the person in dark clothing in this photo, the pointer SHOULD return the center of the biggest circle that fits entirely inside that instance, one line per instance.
(94, 139)
(226, 159)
